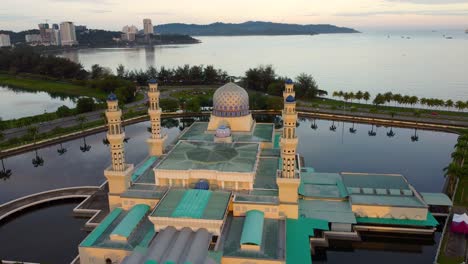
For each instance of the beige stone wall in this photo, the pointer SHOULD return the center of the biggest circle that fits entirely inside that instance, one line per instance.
(234, 260)
(114, 201)
(237, 124)
(213, 226)
(128, 203)
(119, 181)
(289, 210)
(270, 211)
(390, 212)
(224, 180)
(90, 255)
(288, 189)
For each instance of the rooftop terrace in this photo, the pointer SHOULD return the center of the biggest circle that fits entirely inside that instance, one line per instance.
(234, 157)
(263, 132)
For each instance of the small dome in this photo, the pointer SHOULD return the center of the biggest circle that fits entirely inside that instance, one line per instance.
(290, 99)
(289, 81)
(223, 132)
(230, 100)
(152, 81)
(202, 185)
(112, 97)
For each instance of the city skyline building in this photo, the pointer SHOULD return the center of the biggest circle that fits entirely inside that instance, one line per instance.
(148, 26)
(68, 34)
(129, 33)
(33, 38)
(5, 40)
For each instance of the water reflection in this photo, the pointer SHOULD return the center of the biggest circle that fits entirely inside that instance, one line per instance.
(415, 137)
(85, 147)
(352, 130)
(390, 133)
(61, 150)
(371, 132)
(5, 173)
(37, 161)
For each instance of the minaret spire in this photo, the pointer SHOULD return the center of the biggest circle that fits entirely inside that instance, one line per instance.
(288, 138)
(288, 179)
(119, 173)
(156, 142)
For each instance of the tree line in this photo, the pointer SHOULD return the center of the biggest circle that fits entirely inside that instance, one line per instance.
(389, 97)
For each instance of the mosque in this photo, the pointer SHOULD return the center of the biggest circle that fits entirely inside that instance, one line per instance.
(232, 190)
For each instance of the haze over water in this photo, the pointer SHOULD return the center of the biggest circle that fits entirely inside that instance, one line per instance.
(426, 64)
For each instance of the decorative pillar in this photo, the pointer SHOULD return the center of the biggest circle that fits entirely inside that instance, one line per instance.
(156, 141)
(119, 173)
(288, 179)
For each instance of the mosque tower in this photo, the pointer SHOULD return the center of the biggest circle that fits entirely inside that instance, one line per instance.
(119, 173)
(156, 142)
(288, 180)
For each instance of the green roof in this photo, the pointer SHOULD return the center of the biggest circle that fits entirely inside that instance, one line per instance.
(144, 167)
(253, 228)
(99, 230)
(265, 178)
(325, 185)
(330, 211)
(131, 220)
(268, 199)
(192, 203)
(191, 155)
(263, 132)
(297, 238)
(386, 200)
(276, 143)
(375, 181)
(430, 221)
(270, 236)
(151, 262)
(437, 199)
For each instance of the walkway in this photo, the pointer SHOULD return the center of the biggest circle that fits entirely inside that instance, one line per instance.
(19, 204)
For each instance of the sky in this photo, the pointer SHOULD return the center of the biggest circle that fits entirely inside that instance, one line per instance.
(360, 14)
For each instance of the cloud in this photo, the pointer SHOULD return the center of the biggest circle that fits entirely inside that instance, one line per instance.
(454, 12)
(100, 2)
(431, 2)
(155, 13)
(13, 17)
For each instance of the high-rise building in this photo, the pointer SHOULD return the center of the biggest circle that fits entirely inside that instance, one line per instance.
(129, 33)
(148, 26)
(45, 33)
(33, 38)
(68, 34)
(5, 40)
(55, 26)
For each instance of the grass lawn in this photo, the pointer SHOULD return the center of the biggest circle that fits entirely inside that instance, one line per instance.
(49, 86)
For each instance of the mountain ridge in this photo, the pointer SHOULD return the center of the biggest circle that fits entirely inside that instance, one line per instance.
(250, 28)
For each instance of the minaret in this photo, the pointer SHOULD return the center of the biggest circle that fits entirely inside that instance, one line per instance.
(288, 179)
(119, 173)
(156, 142)
(288, 138)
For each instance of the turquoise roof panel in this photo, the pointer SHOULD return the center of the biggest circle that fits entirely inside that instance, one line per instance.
(386, 200)
(430, 221)
(375, 181)
(144, 167)
(193, 204)
(330, 211)
(436, 199)
(131, 220)
(252, 232)
(99, 230)
(298, 233)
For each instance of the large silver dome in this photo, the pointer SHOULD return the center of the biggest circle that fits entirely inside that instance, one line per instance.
(230, 100)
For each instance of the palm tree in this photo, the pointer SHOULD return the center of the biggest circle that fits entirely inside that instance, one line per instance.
(460, 105)
(366, 96)
(359, 96)
(453, 172)
(333, 127)
(371, 132)
(352, 130)
(5, 173)
(415, 137)
(61, 150)
(81, 119)
(37, 160)
(32, 131)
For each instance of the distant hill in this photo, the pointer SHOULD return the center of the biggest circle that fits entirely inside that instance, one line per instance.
(249, 28)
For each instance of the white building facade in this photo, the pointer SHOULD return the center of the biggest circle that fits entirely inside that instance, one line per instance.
(5, 40)
(68, 34)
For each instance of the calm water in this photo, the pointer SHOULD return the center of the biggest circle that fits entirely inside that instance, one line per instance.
(18, 103)
(421, 162)
(427, 65)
